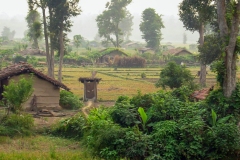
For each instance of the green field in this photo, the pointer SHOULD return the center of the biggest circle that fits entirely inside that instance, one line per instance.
(120, 81)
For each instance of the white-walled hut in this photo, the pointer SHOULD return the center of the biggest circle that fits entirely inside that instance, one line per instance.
(46, 92)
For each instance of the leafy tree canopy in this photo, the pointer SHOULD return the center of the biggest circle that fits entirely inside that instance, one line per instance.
(193, 12)
(109, 21)
(34, 27)
(151, 26)
(210, 50)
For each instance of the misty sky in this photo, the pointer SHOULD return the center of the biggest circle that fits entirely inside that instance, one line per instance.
(13, 13)
(169, 7)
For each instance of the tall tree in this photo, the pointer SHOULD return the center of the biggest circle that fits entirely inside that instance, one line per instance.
(109, 21)
(77, 40)
(7, 34)
(34, 27)
(229, 20)
(60, 12)
(195, 14)
(42, 4)
(126, 26)
(151, 26)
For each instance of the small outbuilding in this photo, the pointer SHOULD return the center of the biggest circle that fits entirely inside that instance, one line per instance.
(90, 88)
(46, 92)
(177, 52)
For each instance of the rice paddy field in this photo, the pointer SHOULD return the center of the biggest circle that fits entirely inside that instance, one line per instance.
(120, 81)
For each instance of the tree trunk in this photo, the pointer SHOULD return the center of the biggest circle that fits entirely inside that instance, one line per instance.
(61, 43)
(117, 41)
(50, 69)
(35, 43)
(203, 66)
(117, 35)
(229, 80)
(51, 54)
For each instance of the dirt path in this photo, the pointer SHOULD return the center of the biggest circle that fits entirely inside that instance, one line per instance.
(85, 109)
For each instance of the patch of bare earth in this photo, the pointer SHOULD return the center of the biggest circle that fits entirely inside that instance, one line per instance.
(41, 122)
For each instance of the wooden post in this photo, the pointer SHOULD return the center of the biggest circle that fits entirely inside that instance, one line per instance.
(85, 91)
(95, 90)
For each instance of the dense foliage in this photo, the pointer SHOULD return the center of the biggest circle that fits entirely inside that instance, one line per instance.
(70, 127)
(76, 59)
(162, 125)
(69, 101)
(211, 49)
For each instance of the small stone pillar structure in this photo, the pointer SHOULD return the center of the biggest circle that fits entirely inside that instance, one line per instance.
(90, 88)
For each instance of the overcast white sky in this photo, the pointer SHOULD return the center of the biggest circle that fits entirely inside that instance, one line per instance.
(13, 13)
(164, 7)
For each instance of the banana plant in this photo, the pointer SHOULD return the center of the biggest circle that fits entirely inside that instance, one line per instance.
(214, 118)
(216, 121)
(143, 116)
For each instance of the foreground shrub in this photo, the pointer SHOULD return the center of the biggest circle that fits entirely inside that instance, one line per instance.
(124, 114)
(69, 101)
(71, 127)
(16, 93)
(161, 125)
(17, 124)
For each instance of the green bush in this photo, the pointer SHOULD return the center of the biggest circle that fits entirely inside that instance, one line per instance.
(174, 76)
(17, 124)
(183, 93)
(72, 127)
(16, 93)
(32, 60)
(19, 58)
(22, 120)
(143, 75)
(124, 114)
(69, 101)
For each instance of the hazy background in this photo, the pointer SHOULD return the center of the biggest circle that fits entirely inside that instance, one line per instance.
(13, 13)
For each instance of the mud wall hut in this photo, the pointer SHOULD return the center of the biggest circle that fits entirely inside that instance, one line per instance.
(46, 92)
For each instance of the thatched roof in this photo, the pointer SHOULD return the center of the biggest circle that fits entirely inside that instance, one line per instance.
(175, 51)
(89, 79)
(110, 50)
(22, 67)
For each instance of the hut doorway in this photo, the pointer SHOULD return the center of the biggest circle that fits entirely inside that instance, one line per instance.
(90, 87)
